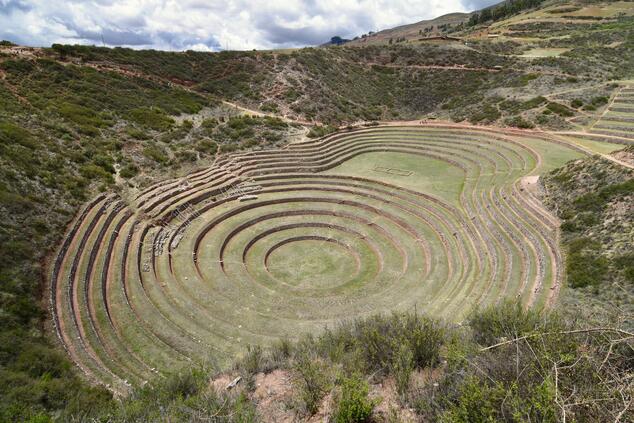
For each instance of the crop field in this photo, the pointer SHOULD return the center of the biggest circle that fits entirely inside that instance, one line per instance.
(618, 120)
(272, 244)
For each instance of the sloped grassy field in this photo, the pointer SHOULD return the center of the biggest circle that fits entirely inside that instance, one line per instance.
(276, 243)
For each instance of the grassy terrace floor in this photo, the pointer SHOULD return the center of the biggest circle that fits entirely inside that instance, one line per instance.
(276, 243)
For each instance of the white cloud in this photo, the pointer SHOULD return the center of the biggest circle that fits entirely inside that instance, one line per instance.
(208, 25)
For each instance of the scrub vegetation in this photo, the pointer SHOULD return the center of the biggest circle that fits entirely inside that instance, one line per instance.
(115, 304)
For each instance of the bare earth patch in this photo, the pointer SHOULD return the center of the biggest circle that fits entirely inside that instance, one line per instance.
(273, 394)
(624, 156)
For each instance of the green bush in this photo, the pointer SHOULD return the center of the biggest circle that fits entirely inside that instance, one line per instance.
(576, 103)
(401, 368)
(534, 102)
(129, 171)
(485, 113)
(207, 146)
(320, 131)
(378, 338)
(476, 403)
(519, 122)
(92, 172)
(312, 381)
(181, 385)
(137, 134)
(584, 264)
(18, 67)
(209, 123)
(156, 153)
(625, 264)
(186, 156)
(353, 404)
(599, 101)
(559, 109)
(152, 118)
(508, 320)
(10, 133)
(82, 116)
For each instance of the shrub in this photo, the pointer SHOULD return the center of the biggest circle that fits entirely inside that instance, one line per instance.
(508, 320)
(156, 153)
(228, 148)
(320, 131)
(209, 123)
(91, 171)
(129, 171)
(475, 403)
(186, 156)
(18, 67)
(599, 101)
(251, 364)
(584, 265)
(137, 134)
(486, 113)
(207, 146)
(519, 122)
(312, 381)
(379, 337)
(10, 133)
(353, 404)
(534, 102)
(153, 118)
(82, 116)
(559, 109)
(181, 385)
(401, 368)
(625, 263)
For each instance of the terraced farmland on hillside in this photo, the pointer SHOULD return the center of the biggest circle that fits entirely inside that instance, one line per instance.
(618, 120)
(275, 243)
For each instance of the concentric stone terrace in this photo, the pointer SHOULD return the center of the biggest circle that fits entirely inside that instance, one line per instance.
(272, 244)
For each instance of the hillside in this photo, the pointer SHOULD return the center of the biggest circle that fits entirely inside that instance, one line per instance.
(595, 200)
(412, 33)
(164, 216)
(523, 70)
(525, 23)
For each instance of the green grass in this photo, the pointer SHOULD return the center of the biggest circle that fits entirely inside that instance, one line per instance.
(429, 175)
(384, 230)
(596, 146)
(544, 52)
(317, 264)
(62, 133)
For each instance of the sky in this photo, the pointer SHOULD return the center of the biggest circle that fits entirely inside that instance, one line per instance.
(210, 25)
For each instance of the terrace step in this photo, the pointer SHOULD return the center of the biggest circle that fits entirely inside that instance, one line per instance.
(196, 278)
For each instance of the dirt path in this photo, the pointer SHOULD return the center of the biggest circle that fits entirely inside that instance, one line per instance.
(262, 114)
(558, 135)
(441, 67)
(555, 135)
(457, 67)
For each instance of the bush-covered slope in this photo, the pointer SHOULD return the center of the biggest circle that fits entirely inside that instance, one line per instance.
(380, 82)
(66, 132)
(506, 365)
(595, 200)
